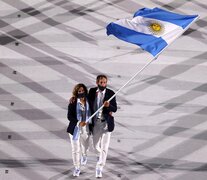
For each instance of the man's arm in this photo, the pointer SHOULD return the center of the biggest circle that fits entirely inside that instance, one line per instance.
(112, 105)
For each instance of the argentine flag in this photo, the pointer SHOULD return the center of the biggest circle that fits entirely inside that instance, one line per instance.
(151, 29)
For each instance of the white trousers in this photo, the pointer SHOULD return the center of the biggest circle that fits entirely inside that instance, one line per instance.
(101, 140)
(80, 146)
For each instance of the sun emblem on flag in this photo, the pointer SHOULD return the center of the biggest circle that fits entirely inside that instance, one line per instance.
(156, 28)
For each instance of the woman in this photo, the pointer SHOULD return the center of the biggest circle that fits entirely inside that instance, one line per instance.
(78, 128)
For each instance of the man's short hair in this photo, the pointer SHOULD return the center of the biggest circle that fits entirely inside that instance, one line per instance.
(101, 76)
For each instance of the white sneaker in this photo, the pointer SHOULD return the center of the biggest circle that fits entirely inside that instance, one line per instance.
(76, 172)
(84, 160)
(98, 173)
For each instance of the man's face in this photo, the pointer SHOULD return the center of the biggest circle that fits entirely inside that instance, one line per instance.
(102, 82)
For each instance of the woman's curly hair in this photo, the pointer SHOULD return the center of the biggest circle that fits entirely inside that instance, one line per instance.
(77, 87)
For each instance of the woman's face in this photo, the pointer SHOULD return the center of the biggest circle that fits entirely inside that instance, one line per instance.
(81, 90)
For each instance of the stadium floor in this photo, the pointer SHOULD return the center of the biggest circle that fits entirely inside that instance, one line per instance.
(48, 46)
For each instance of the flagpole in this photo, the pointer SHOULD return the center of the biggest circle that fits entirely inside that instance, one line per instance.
(137, 73)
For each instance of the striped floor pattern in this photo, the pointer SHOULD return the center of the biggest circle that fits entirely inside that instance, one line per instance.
(48, 46)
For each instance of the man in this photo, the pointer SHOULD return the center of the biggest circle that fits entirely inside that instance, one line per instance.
(103, 122)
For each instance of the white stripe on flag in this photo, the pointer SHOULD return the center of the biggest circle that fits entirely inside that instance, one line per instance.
(140, 24)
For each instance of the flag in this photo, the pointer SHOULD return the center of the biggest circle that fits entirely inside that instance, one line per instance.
(151, 29)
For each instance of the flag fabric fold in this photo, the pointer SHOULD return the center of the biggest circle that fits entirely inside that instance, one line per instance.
(151, 29)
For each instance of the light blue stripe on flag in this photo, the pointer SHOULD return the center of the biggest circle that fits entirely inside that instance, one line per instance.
(147, 42)
(161, 14)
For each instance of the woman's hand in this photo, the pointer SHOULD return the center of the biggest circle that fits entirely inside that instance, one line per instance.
(82, 123)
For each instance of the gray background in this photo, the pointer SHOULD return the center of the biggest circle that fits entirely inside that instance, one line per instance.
(48, 46)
